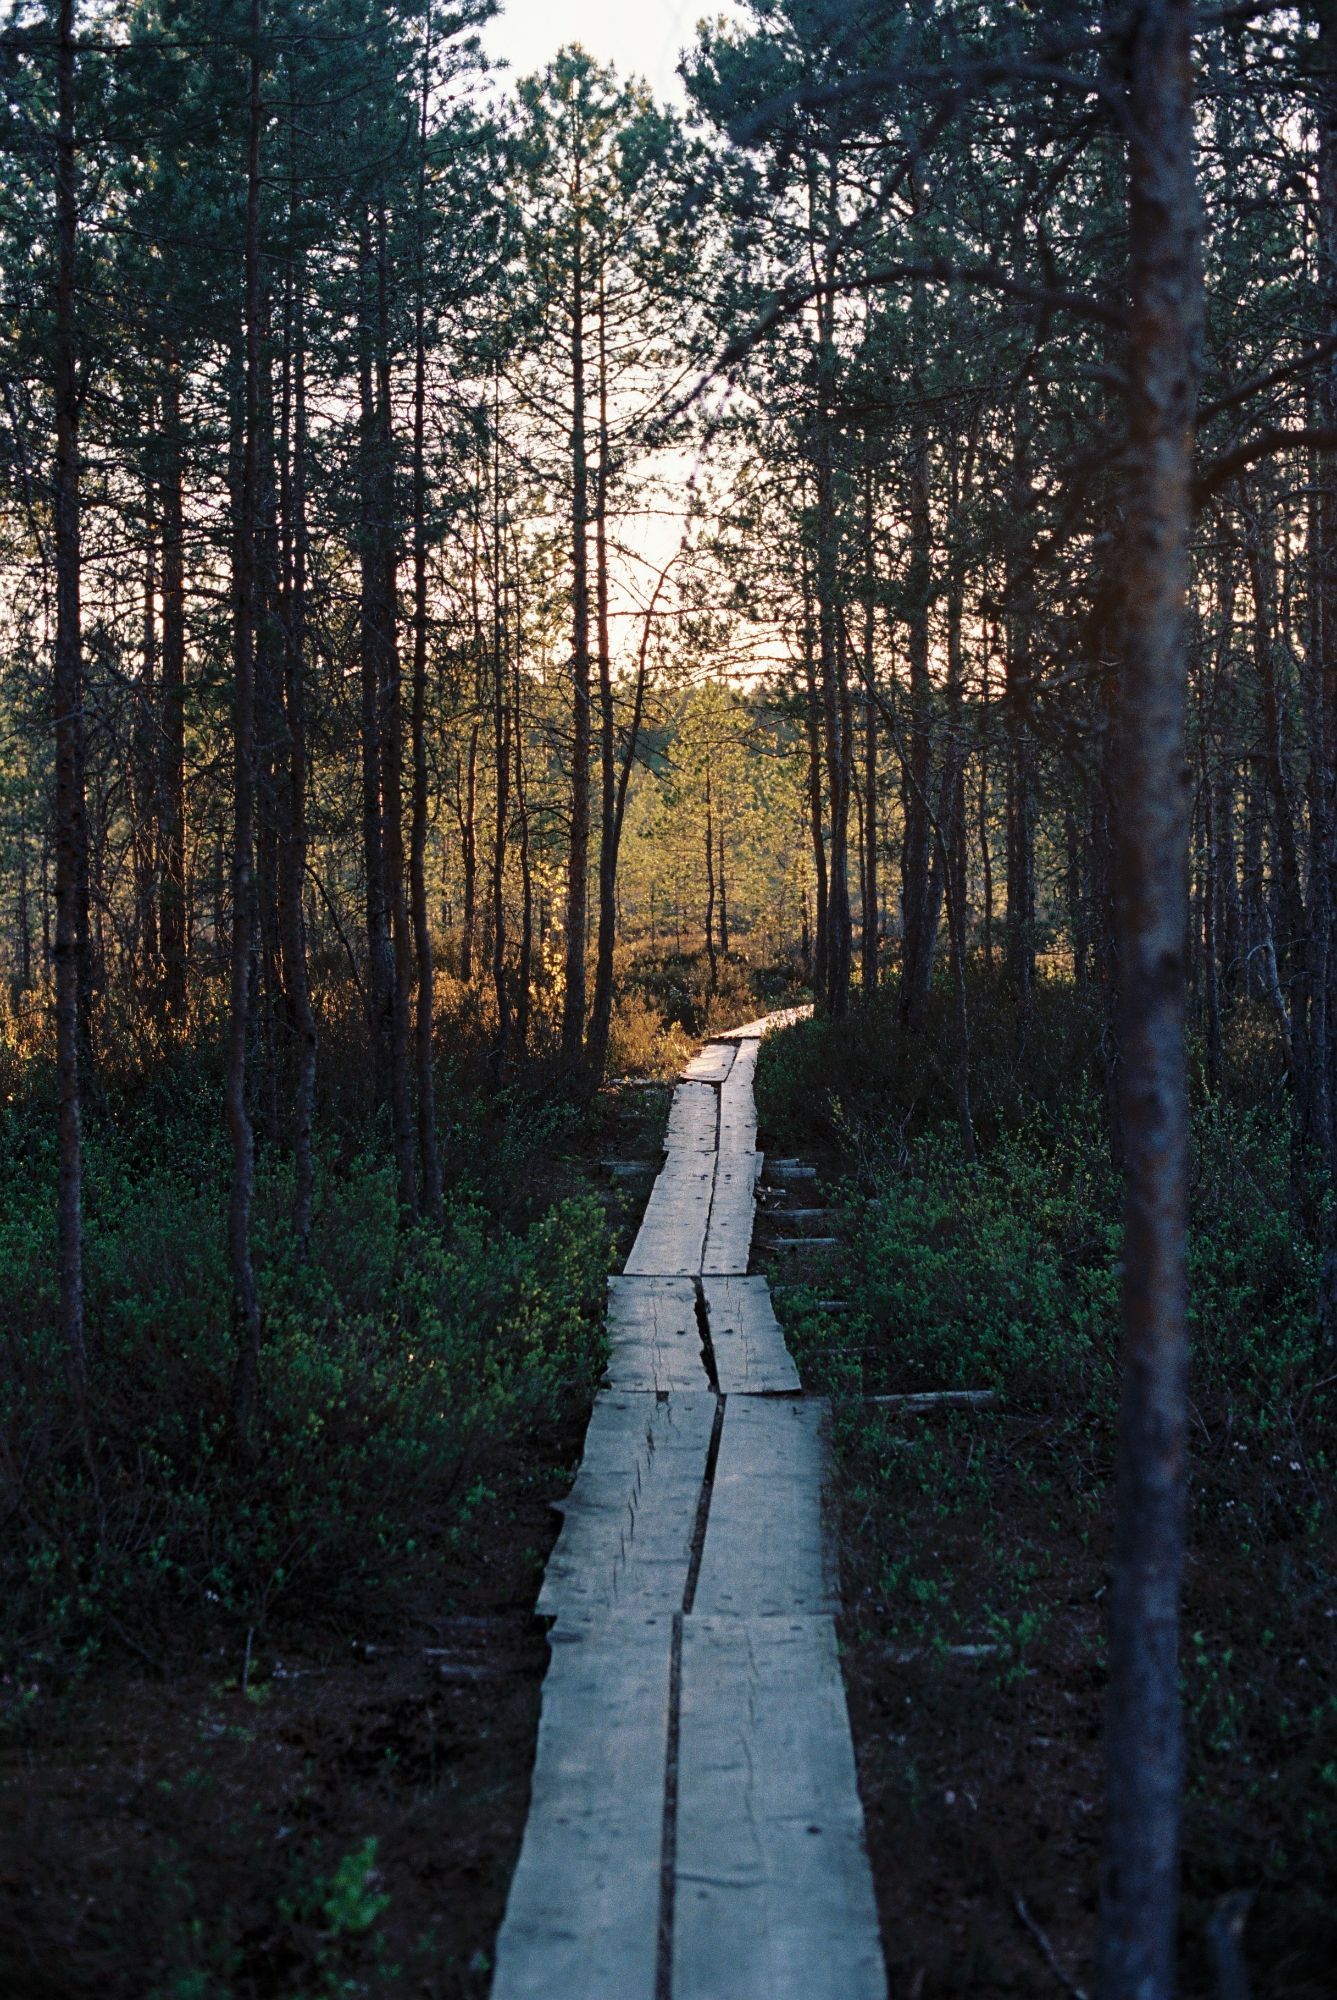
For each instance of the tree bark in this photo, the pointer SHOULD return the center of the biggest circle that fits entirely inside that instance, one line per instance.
(1323, 672)
(429, 1156)
(723, 886)
(296, 567)
(245, 1296)
(501, 747)
(919, 916)
(578, 858)
(1144, 1744)
(601, 1010)
(869, 929)
(172, 834)
(392, 752)
(68, 691)
(1019, 924)
(372, 619)
(710, 888)
(524, 970)
(815, 817)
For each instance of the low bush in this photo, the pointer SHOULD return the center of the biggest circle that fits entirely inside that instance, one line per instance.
(392, 1358)
(677, 987)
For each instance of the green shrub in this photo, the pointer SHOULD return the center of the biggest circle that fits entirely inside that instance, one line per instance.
(393, 1359)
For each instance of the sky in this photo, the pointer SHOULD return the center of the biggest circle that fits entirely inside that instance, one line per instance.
(639, 37)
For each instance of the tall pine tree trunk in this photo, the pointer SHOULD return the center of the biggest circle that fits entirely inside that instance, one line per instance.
(816, 822)
(578, 854)
(429, 1157)
(919, 917)
(71, 834)
(869, 928)
(293, 833)
(245, 1296)
(392, 752)
(380, 961)
(501, 746)
(172, 786)
(601, 1010)
(1144, 1744)
(710, 888)
(1323, 693)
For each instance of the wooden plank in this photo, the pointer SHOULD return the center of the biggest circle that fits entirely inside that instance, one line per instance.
(693, 1118)
(773, 1897)
(711, 1064)
(751, 1358)
(626, 1537)
(810, 1243)
(938, 1399)
(752, 1031)
(728, 1244)
(654, 1336)
(582, 1918)
(673, 1229)
(738, 1108)
(766, 1552)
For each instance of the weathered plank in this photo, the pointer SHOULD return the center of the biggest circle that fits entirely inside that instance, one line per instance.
(938, 1399)
(654, 1338)
(693, 1118)
(728, 1244)
(582, 1919)
(738, 1106)
(711, 1064)
(626, 1537)
(766, 1552)
(752, 1031)
(751, 1358)
(673, 1229)
(773, 1898)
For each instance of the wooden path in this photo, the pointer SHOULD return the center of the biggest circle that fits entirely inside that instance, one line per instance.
(694, 1828)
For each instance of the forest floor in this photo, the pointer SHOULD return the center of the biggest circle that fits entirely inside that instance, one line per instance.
(335, 1807)
(340, 1811)
(980, 1773)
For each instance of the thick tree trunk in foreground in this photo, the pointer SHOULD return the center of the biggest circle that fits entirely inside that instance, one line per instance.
(69, 696)
(245, 1297)
(1144, 1746)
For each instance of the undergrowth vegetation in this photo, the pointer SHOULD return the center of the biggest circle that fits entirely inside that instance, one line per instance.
(391, 1355)
(396, 1359)
(984, 1529)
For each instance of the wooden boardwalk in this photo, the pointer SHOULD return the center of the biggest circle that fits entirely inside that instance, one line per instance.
(694, 1829)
